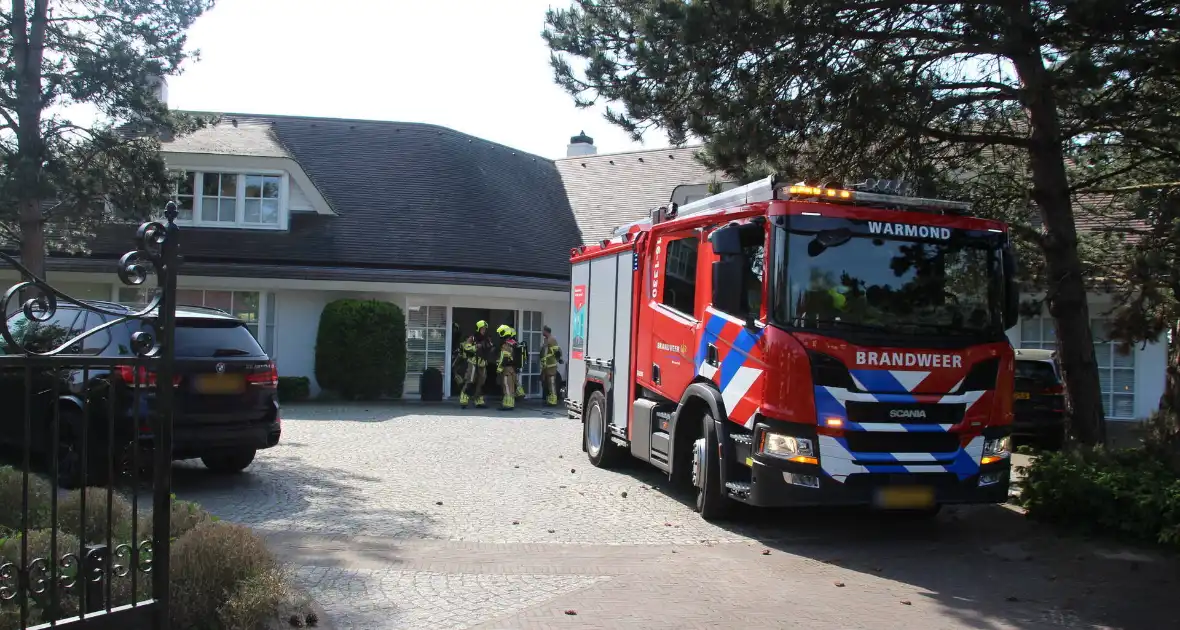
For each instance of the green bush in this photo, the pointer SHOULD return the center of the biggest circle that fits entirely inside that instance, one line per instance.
(208, 565)
(294, 388)
(40, 545)
(11, 492)
(1133, 493)
(94, 528)
(360, 349)
(223, 577)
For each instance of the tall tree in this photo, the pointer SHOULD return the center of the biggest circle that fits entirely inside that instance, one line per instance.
(107, 56)
(926, 90)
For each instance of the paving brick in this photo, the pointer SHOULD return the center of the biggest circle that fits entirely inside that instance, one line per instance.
(350, 501)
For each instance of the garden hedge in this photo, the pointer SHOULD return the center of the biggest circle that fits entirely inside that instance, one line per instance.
(360, 350)
(294, 388)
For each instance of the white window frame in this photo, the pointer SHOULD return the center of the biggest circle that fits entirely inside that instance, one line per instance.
(1107, 368)
(411, 384)
(264, 324)
(239, 221)
(526, 374)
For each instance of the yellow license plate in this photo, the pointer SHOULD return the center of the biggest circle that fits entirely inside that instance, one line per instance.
(1021, 395)
(905, 497)
(220, 384)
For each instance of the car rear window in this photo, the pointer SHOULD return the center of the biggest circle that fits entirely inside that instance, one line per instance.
(1036, 371)
(215, 338)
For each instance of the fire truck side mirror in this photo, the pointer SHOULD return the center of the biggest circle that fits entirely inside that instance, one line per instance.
(727, 241)
(1011, 288)
(727, 284)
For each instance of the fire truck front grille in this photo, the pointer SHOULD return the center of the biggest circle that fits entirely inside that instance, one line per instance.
(891, 442)
(913, 413)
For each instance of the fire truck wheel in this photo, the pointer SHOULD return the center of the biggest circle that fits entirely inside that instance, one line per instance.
(706, 475)
(602, 451)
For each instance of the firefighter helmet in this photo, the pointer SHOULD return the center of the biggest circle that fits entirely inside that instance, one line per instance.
(480, 325)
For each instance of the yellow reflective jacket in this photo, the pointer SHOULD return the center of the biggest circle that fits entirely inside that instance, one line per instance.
(550, 354)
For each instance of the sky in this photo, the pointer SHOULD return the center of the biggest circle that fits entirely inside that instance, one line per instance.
(475, 66)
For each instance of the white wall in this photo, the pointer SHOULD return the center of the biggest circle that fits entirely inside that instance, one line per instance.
(297, 320)
(298, 317)
(1150, 359)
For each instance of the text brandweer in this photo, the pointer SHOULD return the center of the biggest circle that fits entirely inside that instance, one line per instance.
(909, 359)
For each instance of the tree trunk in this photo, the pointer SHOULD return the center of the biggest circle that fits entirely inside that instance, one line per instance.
(28, 51)
(1066, 293)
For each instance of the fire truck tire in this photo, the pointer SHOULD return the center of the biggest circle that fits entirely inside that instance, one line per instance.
(603, 452)
(712, 504)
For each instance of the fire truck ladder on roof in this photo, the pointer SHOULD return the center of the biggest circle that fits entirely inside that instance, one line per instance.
(872, 192)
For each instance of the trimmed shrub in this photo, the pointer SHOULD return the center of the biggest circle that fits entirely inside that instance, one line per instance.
(208, 564)
(40, 545)
(40, 496)
(294, 388)
(360, 349)
(255, 601)
(1132, 493)
(94, 528)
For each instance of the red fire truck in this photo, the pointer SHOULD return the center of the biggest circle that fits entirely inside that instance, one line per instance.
(782, 345)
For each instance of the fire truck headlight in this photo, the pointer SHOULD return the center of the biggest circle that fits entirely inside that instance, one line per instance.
(997, 449)
(800, 450)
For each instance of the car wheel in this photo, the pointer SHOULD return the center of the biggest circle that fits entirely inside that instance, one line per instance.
(601, 450)
(232, 462)
(712, 504)
(70, 454)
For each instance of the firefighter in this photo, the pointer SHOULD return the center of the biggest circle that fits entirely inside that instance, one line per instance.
(506, 366)
(550, 359)
(475, 349)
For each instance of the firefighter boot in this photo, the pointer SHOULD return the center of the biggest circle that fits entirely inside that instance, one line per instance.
(509, 401)
(551, 391)
(464, 399)
(479, 402)
(520, 391)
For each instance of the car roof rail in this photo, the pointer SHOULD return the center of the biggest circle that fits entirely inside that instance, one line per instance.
(107, 303)
(199, 307)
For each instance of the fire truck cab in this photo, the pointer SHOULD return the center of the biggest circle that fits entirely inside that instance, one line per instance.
(782, 345)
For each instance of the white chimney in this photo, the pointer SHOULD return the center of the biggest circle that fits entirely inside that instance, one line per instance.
(581, 144)
(159, 87)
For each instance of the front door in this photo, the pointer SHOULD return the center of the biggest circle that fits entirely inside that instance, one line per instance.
(673, 304)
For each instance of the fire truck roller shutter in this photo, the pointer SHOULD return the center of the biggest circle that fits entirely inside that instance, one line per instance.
(576, 364)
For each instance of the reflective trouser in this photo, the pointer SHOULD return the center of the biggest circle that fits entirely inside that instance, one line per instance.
(549, 382)
(508, 382)
(476, 375)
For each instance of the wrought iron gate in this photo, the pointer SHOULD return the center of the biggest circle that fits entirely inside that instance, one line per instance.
(89, 442)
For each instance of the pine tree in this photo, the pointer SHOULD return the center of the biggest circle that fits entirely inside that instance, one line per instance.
(1006, 94)
(60, 176)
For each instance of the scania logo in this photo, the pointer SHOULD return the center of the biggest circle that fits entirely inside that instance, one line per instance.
(907, 413)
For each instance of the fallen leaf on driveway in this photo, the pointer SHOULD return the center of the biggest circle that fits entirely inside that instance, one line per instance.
(571, 612)
(438, 502)
(839, 585)
(766, 552)
(624, 495)
(906, 602)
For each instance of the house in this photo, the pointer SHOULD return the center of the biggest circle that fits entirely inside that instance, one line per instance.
(282, 215)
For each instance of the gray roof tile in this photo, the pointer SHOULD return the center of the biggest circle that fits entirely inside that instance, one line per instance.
(609, 190)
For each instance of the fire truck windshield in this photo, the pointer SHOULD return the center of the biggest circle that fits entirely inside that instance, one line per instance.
(870, 278)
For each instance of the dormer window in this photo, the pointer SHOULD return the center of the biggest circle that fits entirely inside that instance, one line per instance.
(226, 199)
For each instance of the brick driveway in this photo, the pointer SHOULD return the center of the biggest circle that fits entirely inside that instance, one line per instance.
(427, 517)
